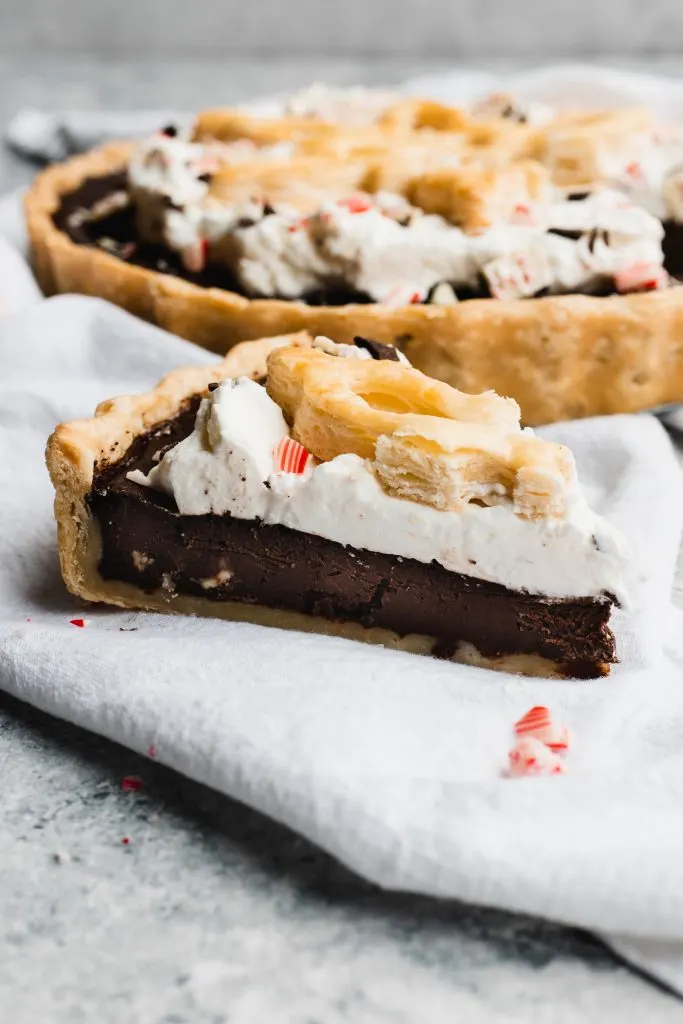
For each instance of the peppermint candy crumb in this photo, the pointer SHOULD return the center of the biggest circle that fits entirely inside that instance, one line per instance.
(290, 456)
(530, 756)
(541, 740)
(539, 723)
(640, 277)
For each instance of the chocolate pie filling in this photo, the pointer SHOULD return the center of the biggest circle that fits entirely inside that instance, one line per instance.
(148, 543)
(117, 233)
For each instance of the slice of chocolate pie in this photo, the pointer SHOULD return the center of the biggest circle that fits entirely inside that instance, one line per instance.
(334, 488)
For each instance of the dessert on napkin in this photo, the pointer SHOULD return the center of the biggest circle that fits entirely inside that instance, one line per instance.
(333, 488)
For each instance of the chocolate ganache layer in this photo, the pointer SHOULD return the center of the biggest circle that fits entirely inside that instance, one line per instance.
(148, 543)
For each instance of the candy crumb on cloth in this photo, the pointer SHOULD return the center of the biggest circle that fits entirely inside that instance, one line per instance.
(531, 757)
(540, 742)
(539, 723)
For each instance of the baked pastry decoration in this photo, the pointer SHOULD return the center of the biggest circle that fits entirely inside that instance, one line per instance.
(417, 224)
(330, 487)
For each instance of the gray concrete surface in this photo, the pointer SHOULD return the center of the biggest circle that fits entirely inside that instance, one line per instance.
(211, 914)
(456, 29)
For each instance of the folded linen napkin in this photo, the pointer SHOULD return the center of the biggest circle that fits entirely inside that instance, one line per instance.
(390, 761)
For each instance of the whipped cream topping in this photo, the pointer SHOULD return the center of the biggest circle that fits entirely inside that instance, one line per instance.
(500, 104)
(381, 246)
(352, 106)
(384, 257)
(648, 168)
(226, 466)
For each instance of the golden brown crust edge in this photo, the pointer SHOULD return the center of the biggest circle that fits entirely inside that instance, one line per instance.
(74, 449)
(561, 357)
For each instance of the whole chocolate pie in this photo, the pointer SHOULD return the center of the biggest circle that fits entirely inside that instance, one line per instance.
(312, 485)
(518, 248)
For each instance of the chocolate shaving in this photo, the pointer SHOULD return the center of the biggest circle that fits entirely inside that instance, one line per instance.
(566, 233)
(597, 234)
(377, 349)
(170, 131)
(206, 177)
(214, 384)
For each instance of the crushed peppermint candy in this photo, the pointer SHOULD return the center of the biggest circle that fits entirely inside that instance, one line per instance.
(355, 204)
(403, 296)
(194, 256)
(641, 277)
(539, 723)
(518, 274)
(152, 751)
(633, 170)
(290, 456)
(522, 213)
(530, 756)
(80, 623)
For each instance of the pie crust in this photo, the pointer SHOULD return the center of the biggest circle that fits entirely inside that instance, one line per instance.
(76, 449)
(560, 357)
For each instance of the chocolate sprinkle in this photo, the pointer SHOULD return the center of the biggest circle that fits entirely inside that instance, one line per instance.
(566, 233)
(377, 349)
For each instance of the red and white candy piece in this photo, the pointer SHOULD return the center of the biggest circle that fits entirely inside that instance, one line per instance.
(305, 222)
(538, 723)
(641, 277)
(522, 213)
(194, 256)
(530, 756)
(290, 457)
(403, 295)
(633, 171)
(355, 203)
(516, 275)
(79, 623)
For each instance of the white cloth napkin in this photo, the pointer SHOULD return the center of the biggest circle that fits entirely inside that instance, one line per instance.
(391, 762)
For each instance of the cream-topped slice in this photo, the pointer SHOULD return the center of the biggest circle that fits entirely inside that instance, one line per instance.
(227, 466)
